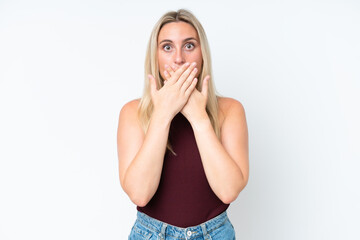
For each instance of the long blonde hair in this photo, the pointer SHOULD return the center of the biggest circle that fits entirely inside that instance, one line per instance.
(151, 67)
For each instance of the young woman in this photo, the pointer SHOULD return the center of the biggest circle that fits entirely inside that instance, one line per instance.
(183, 150)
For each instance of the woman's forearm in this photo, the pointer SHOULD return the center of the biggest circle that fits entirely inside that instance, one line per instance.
(223, 174)
(143, 174)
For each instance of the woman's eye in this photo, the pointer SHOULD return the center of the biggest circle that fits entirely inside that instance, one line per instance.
(166, 47)
(189, 46)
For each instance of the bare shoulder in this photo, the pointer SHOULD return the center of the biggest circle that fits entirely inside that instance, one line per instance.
(130, 108)
(129, 123)
(229, 108)
(129, 113)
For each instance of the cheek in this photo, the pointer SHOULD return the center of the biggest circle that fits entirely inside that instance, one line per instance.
(161, 62)
(199, 63)
(161, 71)
(197, 57)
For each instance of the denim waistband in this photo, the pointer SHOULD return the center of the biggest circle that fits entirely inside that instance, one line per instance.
(164, 229)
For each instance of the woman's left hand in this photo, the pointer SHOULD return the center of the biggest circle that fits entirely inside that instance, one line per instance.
(195, 108)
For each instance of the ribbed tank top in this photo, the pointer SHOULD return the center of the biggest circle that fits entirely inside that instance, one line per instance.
(184, 197)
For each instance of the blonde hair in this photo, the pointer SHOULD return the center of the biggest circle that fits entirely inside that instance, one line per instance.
(151, 67)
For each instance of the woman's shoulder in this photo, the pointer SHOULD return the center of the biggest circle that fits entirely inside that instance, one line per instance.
(229, 106)
(133, 104)
(130, 108)
(226, 103)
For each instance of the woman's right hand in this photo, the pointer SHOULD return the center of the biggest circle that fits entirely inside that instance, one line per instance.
(172, 97)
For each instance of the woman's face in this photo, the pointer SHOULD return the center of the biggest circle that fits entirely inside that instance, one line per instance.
(178, 43)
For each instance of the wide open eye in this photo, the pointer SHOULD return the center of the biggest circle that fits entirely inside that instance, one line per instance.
(166, 47)
(189, 46)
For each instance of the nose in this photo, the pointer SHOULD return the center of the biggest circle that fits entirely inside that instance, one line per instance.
(179, 58)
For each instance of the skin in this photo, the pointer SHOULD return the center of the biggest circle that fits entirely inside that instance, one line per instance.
(178, 43)
(225, 161)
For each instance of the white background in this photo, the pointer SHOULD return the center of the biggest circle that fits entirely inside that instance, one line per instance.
(67, 68)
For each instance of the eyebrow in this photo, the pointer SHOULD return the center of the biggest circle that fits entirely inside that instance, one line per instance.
(185, 40)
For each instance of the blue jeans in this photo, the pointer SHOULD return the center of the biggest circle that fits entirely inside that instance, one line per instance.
(148, 228)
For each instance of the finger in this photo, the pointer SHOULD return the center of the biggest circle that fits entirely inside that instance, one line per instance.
(152, 84)
(167, 75)
(186, 74)
(178, 73)
(169, 70)
(205, 86)
(191, 88)
(189, 80)
(175, 67)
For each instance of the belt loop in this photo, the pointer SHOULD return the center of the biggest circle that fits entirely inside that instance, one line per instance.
(203, 227)
(163, 228)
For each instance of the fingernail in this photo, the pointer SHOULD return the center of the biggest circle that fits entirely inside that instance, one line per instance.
(195, 70)
(193, 64)
(187, 64)
(166, 66)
